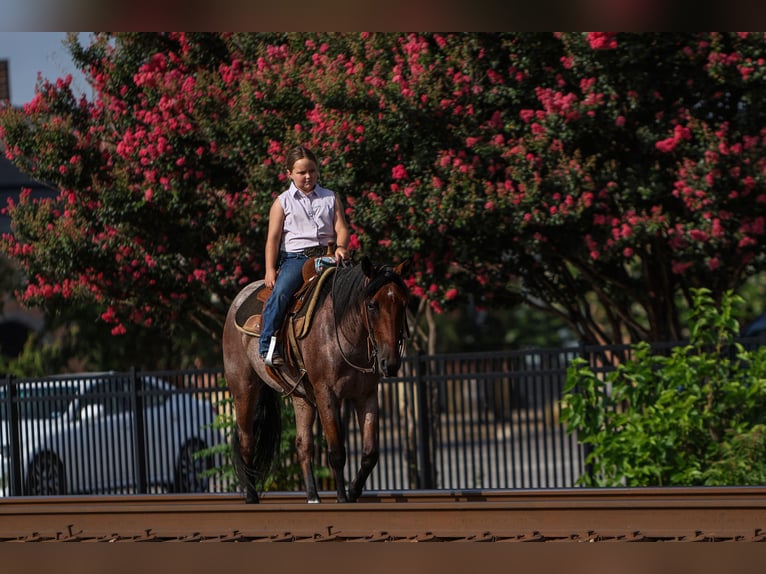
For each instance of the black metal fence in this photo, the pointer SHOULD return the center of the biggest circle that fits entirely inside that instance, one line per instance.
(108, 433)
(457, 421)
(480, 420)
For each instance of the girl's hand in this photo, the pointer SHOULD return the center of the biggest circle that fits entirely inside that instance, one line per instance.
(341, 253)
(271, 278)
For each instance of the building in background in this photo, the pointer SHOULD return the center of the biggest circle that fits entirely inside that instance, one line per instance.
(16, 322)
(5, 84)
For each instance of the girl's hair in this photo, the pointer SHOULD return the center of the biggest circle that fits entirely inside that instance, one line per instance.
(299, 152)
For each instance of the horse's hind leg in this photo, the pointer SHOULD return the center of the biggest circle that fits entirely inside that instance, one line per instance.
(259, 430)
(305, 414)
(242, 450)
(243, 447)
(367, 417)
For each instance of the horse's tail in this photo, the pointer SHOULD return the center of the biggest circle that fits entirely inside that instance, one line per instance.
(267, 430)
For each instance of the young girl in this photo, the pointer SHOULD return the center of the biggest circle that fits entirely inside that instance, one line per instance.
(302, 221)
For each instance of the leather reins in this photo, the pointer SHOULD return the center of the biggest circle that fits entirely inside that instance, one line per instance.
(372, 346)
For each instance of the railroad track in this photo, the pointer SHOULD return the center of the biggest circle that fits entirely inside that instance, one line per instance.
(574, 515)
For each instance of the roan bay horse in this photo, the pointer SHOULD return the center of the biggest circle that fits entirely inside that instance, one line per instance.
(356, 337)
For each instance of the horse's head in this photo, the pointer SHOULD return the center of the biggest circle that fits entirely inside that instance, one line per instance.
(385, 304)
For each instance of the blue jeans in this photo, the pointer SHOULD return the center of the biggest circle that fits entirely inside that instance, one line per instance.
(289, 280)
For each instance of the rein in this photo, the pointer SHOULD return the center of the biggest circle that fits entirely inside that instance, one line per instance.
(372, 347)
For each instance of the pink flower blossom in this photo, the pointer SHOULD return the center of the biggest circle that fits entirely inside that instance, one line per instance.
(666, 145)
(602, 40)
(399, 172)
(699, 235)
(746, 242)
(680, 267)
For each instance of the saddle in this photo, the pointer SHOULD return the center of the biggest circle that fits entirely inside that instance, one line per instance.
(295, 326)
(301, 309)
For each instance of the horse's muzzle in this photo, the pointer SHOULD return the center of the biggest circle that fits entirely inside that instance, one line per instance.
(389, 368)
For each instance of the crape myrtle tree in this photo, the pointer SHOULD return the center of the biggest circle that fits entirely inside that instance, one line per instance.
(639, 176)
(599, 177)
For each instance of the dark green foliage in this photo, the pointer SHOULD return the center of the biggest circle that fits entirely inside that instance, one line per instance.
(695, 416)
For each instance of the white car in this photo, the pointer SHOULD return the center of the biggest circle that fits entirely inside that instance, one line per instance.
(79, 435)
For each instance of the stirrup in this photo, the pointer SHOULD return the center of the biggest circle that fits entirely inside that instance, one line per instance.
(269, 359)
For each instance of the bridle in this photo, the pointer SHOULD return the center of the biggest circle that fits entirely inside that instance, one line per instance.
(372, 345)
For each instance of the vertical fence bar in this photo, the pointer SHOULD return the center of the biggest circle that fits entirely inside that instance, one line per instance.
(12, 409)
(139, 436)
(423, 417)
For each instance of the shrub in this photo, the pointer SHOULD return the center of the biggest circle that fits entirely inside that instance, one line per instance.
(696, 416)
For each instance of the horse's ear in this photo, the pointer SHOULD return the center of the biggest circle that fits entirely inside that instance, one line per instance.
(367, 267)
(402, 268)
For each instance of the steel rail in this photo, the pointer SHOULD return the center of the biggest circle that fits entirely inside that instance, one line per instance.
(670, 514)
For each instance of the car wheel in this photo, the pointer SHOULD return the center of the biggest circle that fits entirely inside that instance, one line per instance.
(190, 469)
(46, 476)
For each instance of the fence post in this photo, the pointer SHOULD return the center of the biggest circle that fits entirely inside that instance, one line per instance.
(587, 448)
(139, 437)
(424, 425)
(14, 435)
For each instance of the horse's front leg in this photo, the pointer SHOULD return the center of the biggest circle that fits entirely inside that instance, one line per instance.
(329, 414)
(367, 417)
(305, 415)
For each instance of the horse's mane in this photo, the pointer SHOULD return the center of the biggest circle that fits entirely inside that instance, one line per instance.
(347, 286)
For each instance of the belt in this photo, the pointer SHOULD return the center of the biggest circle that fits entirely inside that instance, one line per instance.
(316, 251)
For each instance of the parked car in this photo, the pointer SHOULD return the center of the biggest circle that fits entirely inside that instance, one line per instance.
(81, 435)
(756, 328)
